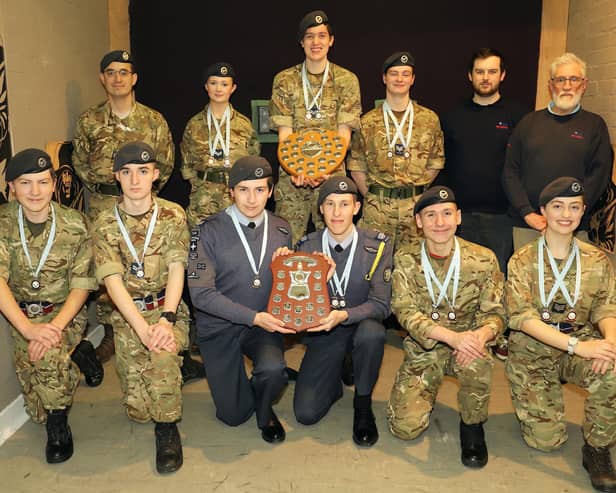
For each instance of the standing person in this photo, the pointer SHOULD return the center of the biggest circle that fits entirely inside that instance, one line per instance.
(560, 140)
(476, 134)
(230, 282)
(397, 153)
(315, 94)
(360, 291)
(100, 131)
(141, 245)
(561, 301)
(447, 292)
(46, 274)
(213, 140)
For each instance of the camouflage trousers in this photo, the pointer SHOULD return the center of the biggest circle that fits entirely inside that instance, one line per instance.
(535, 372)
(394, 217)
(151, 382)
(207, 199)
(297, 204)
(417, 383)
(49, 383)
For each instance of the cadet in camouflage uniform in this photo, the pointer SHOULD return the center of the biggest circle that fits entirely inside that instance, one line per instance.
(565, 334)
(332, 102)
(205, 167)
(392, 166)
(42, 295)
(449, 327)
(100, 132)
(141, 246)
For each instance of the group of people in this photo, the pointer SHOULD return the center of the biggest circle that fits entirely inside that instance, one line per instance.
(444, 202)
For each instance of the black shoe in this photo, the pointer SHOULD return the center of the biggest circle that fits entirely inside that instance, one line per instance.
(191, 369)
(598, 463)
(85, 358)
(348, 376)
(273, 432)
(365, 433)
(106, 349)
(169, 457)
(473, 445)
(59, 446)
(291, 374)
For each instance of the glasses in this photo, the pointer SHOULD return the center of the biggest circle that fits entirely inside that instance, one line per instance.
(574, 81)
(122, 72)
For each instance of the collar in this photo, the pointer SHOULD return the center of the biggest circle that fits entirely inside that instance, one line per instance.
(345, 243)
(574, 110)
(243, 219)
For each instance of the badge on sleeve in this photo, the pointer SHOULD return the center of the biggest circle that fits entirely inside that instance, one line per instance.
(387, 275)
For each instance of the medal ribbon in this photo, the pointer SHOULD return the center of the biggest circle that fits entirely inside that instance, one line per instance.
(24, 244)
(238, 228)
(399, 136)
(306, 86)
(148, 235)
(339, 285)
(430, 276)
(559, 276)
(226, 121)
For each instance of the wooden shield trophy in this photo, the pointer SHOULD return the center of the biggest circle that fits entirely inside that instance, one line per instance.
(299, 294)
(312, 152)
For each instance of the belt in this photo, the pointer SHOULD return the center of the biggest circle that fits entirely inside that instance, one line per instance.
(150, 302)
(106, 189)
(565, 327)
(34, 309)
(397, 192)
(214, 175)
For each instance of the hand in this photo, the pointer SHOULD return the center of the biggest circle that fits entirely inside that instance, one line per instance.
(596, 349)
(281, 252)
(335, 318)
(161, 337)
(270, 323)
(315, 182)
(36, 350)
(536, 221)
(601, 367)
(484, 334)
(463, 359)
(299, 180)
(468, 343)
(47, 334)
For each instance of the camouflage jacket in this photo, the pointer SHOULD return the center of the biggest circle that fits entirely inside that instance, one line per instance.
(169, 244)
(369, 150)
(68, 266)
(479, 300)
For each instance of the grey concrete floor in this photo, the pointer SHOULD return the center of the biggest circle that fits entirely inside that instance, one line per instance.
(113, 454)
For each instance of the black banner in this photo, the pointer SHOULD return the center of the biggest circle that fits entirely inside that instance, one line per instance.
(5, 139)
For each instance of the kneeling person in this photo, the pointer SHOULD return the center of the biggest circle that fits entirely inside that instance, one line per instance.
(141, 249)
(561, 302)
(447, 292)
(360, 292)
(46, 272)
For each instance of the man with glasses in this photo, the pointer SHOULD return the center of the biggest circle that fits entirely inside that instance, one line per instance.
(560, 140)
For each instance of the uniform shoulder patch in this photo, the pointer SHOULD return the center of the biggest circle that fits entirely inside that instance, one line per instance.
(283, 230)
(387, 275)
(382, 237)
(193, 275)
(201, 266)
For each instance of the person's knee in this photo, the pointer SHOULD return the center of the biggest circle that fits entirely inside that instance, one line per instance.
(545, 437)
(369, 333)
(407, 427)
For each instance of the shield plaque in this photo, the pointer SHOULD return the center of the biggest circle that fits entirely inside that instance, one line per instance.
(312, 153)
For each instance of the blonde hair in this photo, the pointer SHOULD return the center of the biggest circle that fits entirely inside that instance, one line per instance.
(568, 58)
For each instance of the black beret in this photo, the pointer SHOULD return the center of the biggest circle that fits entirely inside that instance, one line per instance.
(220, 69)
(311, 19)
(336, 184)
(249, 168)
(133, 153)
(400, 58)
(116, 56)
(565, 186)
(27, 161)
(434, 195)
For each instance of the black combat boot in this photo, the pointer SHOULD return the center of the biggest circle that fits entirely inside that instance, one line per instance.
(191, 368)
(85, 358)
(365, 433)
(59, 438)
(169, 457)
(473, 445)
(598, 463)
(106, 349)
(273, 431)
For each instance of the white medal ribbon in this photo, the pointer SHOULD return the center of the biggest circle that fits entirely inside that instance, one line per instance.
(430, 276)
(559, 276)
(218, 140)
(48, 245)
(238, 228)
(148, 235)
(409, 114)
(339, 285)
(316, 98)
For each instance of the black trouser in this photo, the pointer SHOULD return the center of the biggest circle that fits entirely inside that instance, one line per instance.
(235, 396)
(319, 382)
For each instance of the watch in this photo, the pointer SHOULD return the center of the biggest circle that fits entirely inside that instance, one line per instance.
(169, 316)
(571, 345)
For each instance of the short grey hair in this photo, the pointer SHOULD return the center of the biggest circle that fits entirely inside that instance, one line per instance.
(568, 58)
